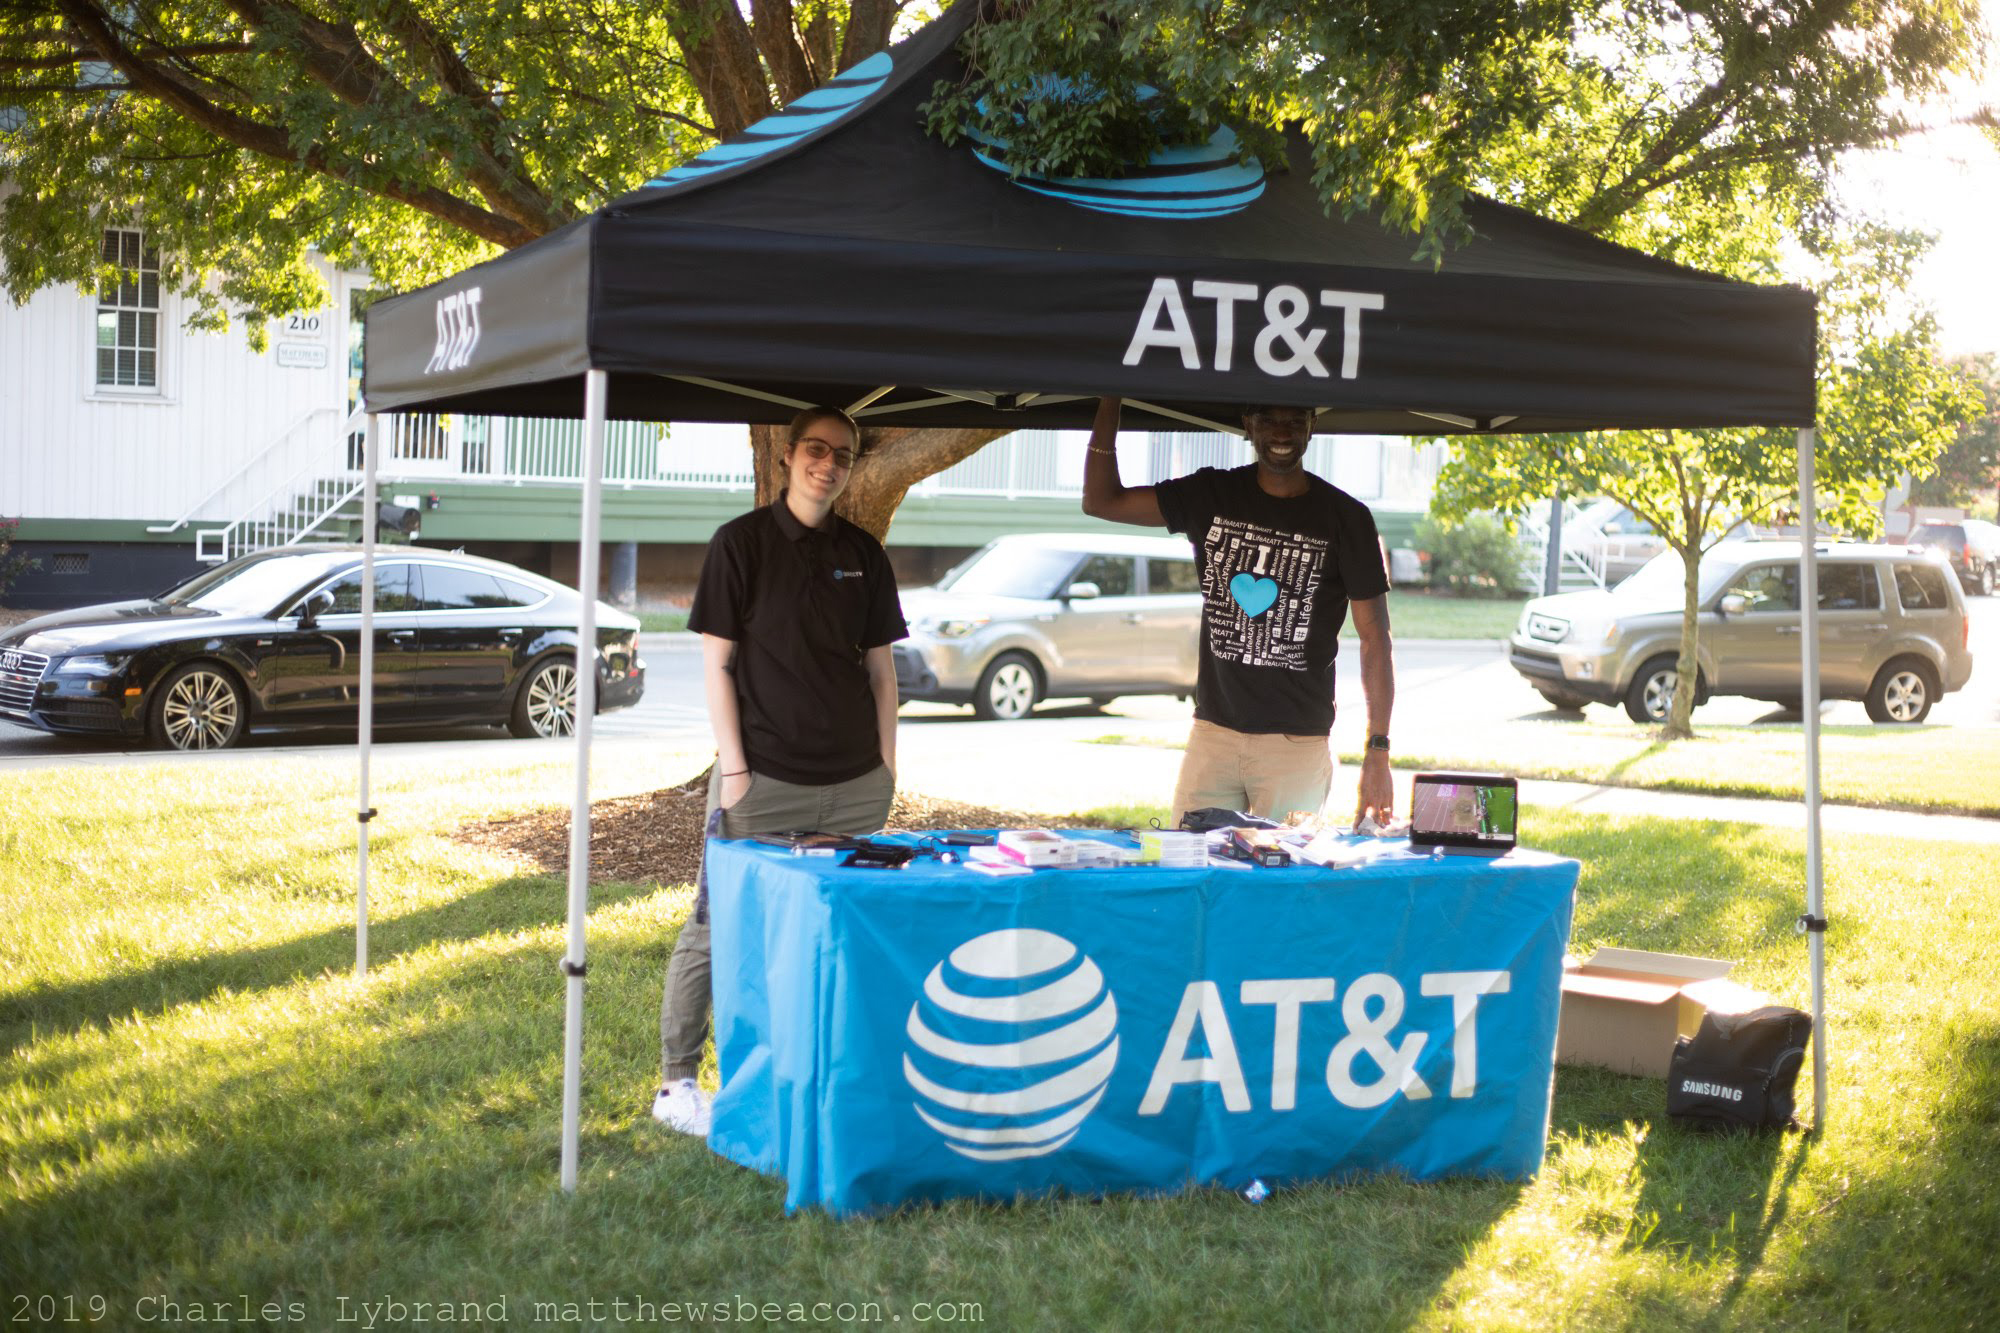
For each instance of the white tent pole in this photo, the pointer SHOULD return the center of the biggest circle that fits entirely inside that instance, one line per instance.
(1815, 918)
(594, 389)
(366, 723)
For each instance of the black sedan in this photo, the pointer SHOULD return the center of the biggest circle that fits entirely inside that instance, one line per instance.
(273, 640)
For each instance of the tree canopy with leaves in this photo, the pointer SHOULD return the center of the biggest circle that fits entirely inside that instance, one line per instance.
(411, 138)
(1969, 468)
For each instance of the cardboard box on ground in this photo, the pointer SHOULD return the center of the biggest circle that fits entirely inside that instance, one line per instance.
(1623, 1008)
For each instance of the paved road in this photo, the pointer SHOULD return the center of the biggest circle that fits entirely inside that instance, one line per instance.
(672, 709)
(1449, 693)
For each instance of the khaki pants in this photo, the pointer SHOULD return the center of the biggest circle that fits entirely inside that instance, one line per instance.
(859, 805)
(1268, 775)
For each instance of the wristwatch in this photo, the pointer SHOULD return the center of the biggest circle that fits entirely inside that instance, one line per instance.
(1378, 742)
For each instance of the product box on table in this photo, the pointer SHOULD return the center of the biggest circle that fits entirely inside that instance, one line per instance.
(1171, 847)
(1037, 847)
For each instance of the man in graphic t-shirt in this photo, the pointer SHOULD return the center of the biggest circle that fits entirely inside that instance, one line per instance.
(1283, 555)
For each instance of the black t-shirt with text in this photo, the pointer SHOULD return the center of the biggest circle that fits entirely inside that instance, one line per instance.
(1276, 576)
(803, 606)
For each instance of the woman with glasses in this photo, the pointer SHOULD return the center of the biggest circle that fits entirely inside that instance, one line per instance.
(796, 608)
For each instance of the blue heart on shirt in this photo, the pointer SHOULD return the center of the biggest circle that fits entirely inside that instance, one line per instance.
(1254, 595)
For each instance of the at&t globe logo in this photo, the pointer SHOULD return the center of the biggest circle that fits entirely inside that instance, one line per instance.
(1012, 1044)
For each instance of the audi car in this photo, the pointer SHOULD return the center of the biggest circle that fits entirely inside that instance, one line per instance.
(272, 641)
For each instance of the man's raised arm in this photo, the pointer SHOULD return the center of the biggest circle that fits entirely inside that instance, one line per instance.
(1375, 794)
(1104, 495)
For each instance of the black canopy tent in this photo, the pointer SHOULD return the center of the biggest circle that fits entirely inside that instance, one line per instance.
(837, 252)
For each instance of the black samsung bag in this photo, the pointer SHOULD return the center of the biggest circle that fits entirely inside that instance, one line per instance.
(1738, 1070)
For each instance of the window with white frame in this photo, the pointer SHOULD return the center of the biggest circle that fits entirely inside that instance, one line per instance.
(128, 313)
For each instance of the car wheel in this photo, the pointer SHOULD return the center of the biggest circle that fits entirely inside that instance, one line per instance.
(1903, 692)
(199, 707)
(546, 703)
(1986, 579)
(1651, 696)
(1563, 699)
(1008, 688)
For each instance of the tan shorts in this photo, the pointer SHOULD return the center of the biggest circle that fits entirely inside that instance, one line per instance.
(1268, 775)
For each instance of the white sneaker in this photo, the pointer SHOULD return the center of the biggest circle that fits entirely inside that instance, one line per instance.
(683, 1106)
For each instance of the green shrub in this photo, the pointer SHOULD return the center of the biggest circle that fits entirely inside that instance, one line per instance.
(12, 566)
(1477, 556)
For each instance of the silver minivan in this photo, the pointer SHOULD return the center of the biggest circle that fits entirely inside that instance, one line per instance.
(1033, 616)
(1893, 632)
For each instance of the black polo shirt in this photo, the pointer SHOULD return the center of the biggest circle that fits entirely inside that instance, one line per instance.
(803, 606)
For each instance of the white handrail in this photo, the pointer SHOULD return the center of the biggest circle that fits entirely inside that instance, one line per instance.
(254, 460)
(288, 484)
(281, 530)
(1585, 549)
(338, 504)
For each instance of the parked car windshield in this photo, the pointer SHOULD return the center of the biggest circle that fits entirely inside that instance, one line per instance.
(252, 587)
(1010, 570)
(1661, 581)
(1939, 534)
(1611, 517)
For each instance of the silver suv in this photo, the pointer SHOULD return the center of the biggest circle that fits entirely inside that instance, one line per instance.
(1893, 632)
(1054, 615)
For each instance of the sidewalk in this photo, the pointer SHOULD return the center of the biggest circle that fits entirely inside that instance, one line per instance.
(1834, 820)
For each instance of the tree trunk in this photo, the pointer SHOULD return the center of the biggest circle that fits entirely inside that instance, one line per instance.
(1680, 718)
(893, 459)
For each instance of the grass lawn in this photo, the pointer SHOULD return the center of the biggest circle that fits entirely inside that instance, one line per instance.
(201, 1105)
(1423, 615)
(1953, 770)
(662, 622)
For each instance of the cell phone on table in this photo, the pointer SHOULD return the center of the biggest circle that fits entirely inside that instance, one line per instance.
(967, 838)
(808, 841)
(879, 856)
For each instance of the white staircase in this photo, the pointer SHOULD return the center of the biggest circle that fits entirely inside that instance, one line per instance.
(322, 507)
(316, 492)
(1583, 552)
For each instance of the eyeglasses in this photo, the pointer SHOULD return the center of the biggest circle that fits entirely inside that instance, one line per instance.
(819, 451)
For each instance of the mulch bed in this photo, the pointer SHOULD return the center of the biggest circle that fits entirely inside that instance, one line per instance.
(655, 837)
